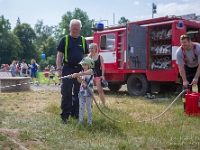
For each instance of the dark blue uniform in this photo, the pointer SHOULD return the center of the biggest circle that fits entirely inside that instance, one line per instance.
(69, 101)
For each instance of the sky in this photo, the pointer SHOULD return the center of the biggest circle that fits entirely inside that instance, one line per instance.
(51, 11)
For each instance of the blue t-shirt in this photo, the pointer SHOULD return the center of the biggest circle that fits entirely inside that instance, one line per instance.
(75, 49)
(34, 68)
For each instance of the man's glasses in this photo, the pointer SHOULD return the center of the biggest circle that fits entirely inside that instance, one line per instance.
(76, 29)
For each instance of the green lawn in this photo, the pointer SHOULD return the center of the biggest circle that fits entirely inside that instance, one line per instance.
(44, 80)
(33, 120)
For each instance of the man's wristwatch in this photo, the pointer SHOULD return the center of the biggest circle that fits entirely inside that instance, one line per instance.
(196, 77)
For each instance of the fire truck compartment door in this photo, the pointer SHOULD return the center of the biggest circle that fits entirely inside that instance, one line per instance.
(136, 47)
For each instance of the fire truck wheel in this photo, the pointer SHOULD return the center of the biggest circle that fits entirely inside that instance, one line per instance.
(137, 85)
(114, 87)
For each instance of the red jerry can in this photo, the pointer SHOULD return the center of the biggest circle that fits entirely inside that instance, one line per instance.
(46, 74)
(192, 103)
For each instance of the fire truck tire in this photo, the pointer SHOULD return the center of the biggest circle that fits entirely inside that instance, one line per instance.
(137, 85)
(114, 87)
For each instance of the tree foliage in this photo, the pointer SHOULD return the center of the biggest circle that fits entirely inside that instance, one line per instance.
(42, 32)
(50, 60)
(18, 21)
(27, 39)
(27, 43)
(63, 27)
(48, 47)
(123, 20)
(10, 48)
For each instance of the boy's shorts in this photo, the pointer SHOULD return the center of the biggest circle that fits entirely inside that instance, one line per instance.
(33, 74)
(51, 77)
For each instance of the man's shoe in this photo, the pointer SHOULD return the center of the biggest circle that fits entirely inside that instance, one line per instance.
(64, 121)
(75, 116)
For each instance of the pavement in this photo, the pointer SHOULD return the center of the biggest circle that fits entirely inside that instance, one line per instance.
(35, 87)
(39, 87)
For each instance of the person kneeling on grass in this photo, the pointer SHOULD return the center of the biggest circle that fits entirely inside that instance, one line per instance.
(85, 77)
(52, 75)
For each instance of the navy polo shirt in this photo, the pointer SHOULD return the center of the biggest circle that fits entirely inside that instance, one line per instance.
(75, 49)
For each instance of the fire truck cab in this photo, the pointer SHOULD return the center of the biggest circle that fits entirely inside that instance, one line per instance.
(142, 54)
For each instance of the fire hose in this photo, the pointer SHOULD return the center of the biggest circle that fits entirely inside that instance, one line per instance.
(108, 117)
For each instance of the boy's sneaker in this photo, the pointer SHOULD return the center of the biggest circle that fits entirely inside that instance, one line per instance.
(36, 83)
(90, 124)
(80, 122)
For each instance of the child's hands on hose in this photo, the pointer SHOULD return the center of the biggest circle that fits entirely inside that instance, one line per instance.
(80, 79)
(75, 75)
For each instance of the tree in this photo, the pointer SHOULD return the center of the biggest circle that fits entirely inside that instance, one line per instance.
(18, 21)
(15, 49)
(51, 60)
(10, 48)
(123, 20)
(27, 39)
(48, 47)
(63, 28)
(42, 32)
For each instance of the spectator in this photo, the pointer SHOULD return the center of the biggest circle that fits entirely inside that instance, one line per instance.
(99, 70)
(33, 71)
(52, 75)
(2, 67)
(24, 68)
(13, 69)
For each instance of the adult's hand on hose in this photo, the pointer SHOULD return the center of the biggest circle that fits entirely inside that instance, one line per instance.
(185, 84)
(194, 81)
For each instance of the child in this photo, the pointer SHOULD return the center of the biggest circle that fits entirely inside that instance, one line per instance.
(85, 77)
(24, 67)
(13, 69)
(33, 71)
(52, 74)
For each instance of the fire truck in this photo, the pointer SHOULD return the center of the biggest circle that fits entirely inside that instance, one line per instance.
(142, 54)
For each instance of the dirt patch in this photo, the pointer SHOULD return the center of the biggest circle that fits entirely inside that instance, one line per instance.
(12, 140)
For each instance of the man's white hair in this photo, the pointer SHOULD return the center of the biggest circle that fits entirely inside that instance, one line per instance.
(74, 21)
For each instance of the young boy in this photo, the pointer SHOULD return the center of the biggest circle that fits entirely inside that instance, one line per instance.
(33, 71)
(85, 77)
(51, 75)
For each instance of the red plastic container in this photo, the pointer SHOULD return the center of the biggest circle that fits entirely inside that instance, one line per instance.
(46, 74)
(192, 103)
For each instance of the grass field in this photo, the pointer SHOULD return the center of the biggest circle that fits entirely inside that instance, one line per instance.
(44, 80)
(31, 120)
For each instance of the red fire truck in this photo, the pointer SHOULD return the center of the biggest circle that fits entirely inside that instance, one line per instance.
(142, 54)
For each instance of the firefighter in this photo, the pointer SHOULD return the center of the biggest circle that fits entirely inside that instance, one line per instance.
(188, 60)
(72, 48)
